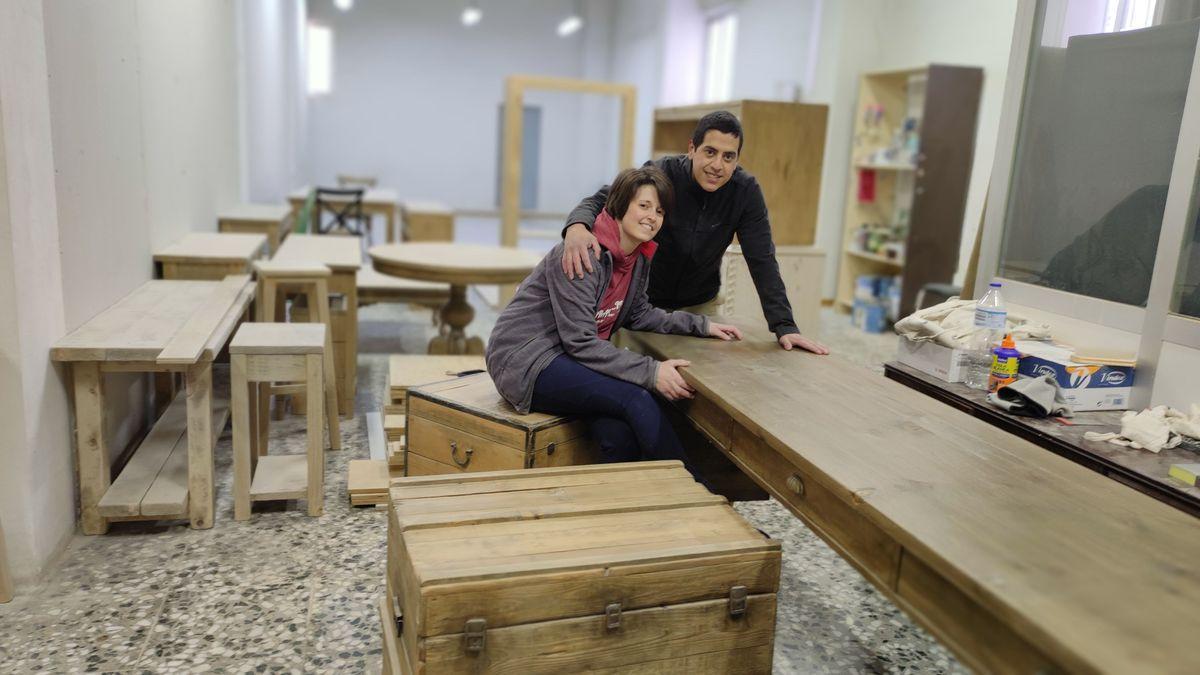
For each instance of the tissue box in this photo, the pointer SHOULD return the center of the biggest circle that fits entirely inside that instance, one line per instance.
(1085, 386)
(929, 357)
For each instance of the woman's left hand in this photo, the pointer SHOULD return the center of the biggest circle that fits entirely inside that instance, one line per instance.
(724, 331)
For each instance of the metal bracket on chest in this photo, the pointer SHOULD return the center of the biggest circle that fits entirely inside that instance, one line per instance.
(474, 632)
(612, 616)
(398, 615)
(737, 601)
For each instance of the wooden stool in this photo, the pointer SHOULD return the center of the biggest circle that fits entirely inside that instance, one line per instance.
(260, 354)
(312, 281)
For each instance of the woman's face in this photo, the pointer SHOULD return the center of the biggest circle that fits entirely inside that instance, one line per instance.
(644, 216)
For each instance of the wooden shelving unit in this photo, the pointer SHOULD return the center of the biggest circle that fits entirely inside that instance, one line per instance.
(929, 190)
(784, 149)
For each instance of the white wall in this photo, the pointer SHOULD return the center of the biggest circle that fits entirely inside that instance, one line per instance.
(119, 134)
(416, 97)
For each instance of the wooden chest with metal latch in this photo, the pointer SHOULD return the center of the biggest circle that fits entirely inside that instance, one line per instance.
(464, 425)
(611, 567)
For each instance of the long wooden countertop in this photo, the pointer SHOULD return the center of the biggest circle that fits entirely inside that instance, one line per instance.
(1011, 555)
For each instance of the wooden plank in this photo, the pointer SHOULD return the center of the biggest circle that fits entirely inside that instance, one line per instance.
(187, 345)
(570, 645)
(168, 494)
(997, 518)
(6, 582)
(214, 247)
(280, 477)
(409, 491)
(400, 486)
(279, 338)
(337, 253)
(394, 426)
(124, 496)
(367, 476)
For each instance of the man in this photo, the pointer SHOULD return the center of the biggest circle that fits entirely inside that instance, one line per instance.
(715, 199)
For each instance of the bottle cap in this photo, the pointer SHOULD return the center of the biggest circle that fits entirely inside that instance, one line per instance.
(995, 284)
(1008, 342)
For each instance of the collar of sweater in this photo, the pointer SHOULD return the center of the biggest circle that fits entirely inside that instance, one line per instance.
(608, 231)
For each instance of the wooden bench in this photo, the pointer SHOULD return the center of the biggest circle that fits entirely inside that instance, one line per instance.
(1016, 559)
(427, 221)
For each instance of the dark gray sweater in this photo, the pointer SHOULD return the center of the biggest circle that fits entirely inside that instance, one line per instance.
(552, 315)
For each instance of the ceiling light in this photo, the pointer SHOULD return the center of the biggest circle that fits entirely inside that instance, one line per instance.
(570, 25)
(344, 5)
(471, 15)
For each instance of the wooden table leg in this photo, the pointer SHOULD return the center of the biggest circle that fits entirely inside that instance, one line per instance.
(390, 219)
(244, 435)
(456, 314)
(201, 502)
(91, 445)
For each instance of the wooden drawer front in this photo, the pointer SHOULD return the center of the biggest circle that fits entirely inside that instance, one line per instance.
(713, 422)
(976, 636)
(472, 424)
(202, 271)
(697, 637)
(416, 465)
(457, 448)
(580, 450)
(849, 533)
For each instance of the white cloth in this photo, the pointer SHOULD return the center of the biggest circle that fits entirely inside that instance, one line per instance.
(952, 323)
(1153, 429)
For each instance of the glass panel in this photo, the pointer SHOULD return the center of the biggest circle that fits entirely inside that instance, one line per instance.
(1186, 299)
(1099, 124)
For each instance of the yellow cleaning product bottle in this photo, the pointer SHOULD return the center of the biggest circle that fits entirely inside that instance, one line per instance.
(1004, 364)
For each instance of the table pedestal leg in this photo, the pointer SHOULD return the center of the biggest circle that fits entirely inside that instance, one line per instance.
(456, 314)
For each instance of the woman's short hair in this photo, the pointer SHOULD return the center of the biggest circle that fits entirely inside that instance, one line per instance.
(626, 184)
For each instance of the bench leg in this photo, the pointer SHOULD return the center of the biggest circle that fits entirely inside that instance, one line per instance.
(201, 503)
(316, 449)
(91, 444)
(243, 450)
(264, 417)
(319, 301)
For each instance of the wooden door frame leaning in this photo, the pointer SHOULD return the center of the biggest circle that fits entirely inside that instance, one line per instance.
(162, 327)
(1014, 558)
(515, 87)
(458, 265)
(210, 256)
(376, 201)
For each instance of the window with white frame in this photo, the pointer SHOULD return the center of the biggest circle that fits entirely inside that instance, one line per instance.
(718, 57)
(320, 59)
(1095, 145)
(1185, 299)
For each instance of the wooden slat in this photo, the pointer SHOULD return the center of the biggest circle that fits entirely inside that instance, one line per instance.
(188, 344)
(645, 635)
(280, 477)
(367, 476)
(1086, 571)
(168, 494)
(213, 246)
(400, 485)
(124, 497)
(535, 481)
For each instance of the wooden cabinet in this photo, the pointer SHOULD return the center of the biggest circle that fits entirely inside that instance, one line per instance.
(910, 165)
(463, 425)
(784, 149)
(616, 568)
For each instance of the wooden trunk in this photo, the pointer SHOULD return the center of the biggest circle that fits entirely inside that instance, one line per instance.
(463, 425)
(616, 568)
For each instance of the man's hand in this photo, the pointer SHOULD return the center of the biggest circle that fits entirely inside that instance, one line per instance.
(670, 383)
(724, 331)
(793, 340)
(576, 245)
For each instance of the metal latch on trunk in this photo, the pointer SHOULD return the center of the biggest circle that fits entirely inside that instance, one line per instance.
(737, 601)
(612, 616)
(398, 615)
(474, 632)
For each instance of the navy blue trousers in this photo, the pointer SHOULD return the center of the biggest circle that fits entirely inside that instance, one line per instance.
(627, 421)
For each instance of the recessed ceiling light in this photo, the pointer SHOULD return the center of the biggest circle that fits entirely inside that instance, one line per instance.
(344, 5)
(471, 15)
(570, 25)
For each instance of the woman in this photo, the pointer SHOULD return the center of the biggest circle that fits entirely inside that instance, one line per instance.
(550, 349)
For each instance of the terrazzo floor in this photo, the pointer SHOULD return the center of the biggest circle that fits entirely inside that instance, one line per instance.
(287, 593)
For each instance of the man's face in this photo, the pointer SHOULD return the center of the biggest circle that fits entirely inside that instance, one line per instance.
(714, 161)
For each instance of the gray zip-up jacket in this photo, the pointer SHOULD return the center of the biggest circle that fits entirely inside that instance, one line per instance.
(552, 315)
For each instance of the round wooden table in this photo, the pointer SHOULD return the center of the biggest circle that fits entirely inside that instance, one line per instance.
(458, 265)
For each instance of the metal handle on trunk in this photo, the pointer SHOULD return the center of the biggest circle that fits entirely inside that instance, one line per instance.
(462, 463)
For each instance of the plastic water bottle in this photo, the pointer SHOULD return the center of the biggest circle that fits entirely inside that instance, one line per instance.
(991, 319)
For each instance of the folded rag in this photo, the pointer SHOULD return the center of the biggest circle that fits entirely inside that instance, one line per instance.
(952, 323)
(1153, 429)
(1034, 396)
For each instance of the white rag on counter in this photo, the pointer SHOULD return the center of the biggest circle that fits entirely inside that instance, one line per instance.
(951, 324)
(1153, 428)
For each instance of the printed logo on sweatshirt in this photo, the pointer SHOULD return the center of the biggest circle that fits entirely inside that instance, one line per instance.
(611, 311)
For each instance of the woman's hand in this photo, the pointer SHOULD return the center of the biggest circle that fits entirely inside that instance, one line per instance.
(724, 331)
(576, 244)
(670, 383)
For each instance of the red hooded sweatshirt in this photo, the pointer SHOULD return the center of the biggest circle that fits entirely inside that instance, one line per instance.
(608, 231)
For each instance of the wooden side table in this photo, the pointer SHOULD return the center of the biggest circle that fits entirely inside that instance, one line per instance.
(209, 256)
(376, 201)
(274, 221)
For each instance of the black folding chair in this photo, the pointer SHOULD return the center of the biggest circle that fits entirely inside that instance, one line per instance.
(346, 207)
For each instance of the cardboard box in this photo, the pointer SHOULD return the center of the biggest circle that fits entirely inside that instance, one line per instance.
(869, 315)
(929, 357)
(1085, 386)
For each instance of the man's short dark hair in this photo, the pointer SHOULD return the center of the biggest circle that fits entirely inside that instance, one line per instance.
(626, 184)
(719, 120)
